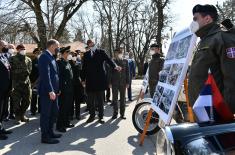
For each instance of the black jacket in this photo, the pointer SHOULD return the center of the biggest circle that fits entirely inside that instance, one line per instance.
(4, 78)
(34, 73)
(93, 70)
(65, 76)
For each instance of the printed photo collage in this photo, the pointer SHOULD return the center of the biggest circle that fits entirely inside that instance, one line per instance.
(170, 74)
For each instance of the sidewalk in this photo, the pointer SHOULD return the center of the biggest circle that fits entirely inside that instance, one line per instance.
(117, 137)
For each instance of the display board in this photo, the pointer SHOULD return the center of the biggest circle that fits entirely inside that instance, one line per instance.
(172, 75)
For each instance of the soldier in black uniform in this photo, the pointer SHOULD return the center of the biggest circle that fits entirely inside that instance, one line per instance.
(119, 81)
(155, 66)
(66, 88)
(34, 81)
(78, 88)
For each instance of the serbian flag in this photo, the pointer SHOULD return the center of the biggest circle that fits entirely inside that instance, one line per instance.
(210, 105)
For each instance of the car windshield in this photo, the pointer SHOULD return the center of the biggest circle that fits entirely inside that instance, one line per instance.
(200, 147)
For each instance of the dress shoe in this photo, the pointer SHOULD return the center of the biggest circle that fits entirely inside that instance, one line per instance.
(24, 119)
(101, 121)
(54, 135)
(122, 117)
(114, 117)
(90, 119)
(69, 126)
(5, 131)
(50, 141)
(61, 130)
(3, 137)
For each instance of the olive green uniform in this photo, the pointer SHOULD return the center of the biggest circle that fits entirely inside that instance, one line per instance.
(216, 52)
(119, 81)
(155, 66)
(21, 67)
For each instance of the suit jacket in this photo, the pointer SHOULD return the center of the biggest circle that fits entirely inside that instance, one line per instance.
(93, 70)
(5, 77)
(65, 76)
(121, 78)
(132, 67)
(48, 74)
(34, 73)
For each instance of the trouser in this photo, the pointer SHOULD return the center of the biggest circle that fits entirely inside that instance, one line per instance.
(96, 99)
(65, 104)
(2, 96)
(78, 98)
(48, 115)
(129, 90)
(35, 103)
(107, 94)
(8, 107)
(121, 90)
(152, 88)
(21, 98)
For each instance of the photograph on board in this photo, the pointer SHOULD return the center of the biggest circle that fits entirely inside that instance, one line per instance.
(172, 51)
(166, 99)
(164, 73)
(157, 95)
(174, 73)
(183, 47)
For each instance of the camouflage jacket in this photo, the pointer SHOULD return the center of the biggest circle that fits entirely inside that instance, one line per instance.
(21, 67)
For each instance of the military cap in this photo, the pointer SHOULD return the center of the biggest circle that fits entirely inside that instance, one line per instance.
(65, 49)
(156, 45)
(207, 9)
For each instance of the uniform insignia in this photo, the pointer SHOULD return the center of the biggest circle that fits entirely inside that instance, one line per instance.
(230, 52)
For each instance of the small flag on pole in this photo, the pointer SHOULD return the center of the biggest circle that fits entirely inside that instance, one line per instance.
(210, 105)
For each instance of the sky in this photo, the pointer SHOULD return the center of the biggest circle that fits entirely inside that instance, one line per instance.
(182, 9)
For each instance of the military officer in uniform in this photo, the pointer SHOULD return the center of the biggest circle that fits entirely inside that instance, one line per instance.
(66, 88)
(216, 52)
(34, 81)
(155, 66)
(21, 67)
(119, 81)
(77, 85)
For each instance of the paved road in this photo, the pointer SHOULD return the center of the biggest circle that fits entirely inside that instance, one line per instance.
(117, 137)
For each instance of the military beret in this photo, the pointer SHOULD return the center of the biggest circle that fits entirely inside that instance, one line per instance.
(89, 41)
(36, 50)
(65, 49)
(21, 46)
(156, 45)
(208, 9)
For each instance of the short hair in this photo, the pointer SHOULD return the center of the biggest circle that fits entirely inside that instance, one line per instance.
(156, 45)
(206, 10)
(52, 42)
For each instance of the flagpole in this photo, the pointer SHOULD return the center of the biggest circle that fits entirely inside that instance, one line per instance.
(211, 107)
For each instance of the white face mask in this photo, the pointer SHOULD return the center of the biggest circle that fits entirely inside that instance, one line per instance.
(79, 57)
(23, 52)
(120, 56)
(11, 51)
(194, 27)
(69, 57)
(93, 48)
(74, 58)
(152, 52)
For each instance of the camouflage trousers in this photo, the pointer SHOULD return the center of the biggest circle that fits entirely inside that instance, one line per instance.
(21, 97)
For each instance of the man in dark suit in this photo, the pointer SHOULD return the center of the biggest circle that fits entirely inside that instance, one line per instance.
(34, 82)
(5, 86)
(48, 90)
(94, 79)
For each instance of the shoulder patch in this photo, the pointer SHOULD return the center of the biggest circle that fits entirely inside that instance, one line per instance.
(230, 52)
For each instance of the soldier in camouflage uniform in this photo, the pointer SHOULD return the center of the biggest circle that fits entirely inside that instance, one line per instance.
(119, 81)
(21, 67)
